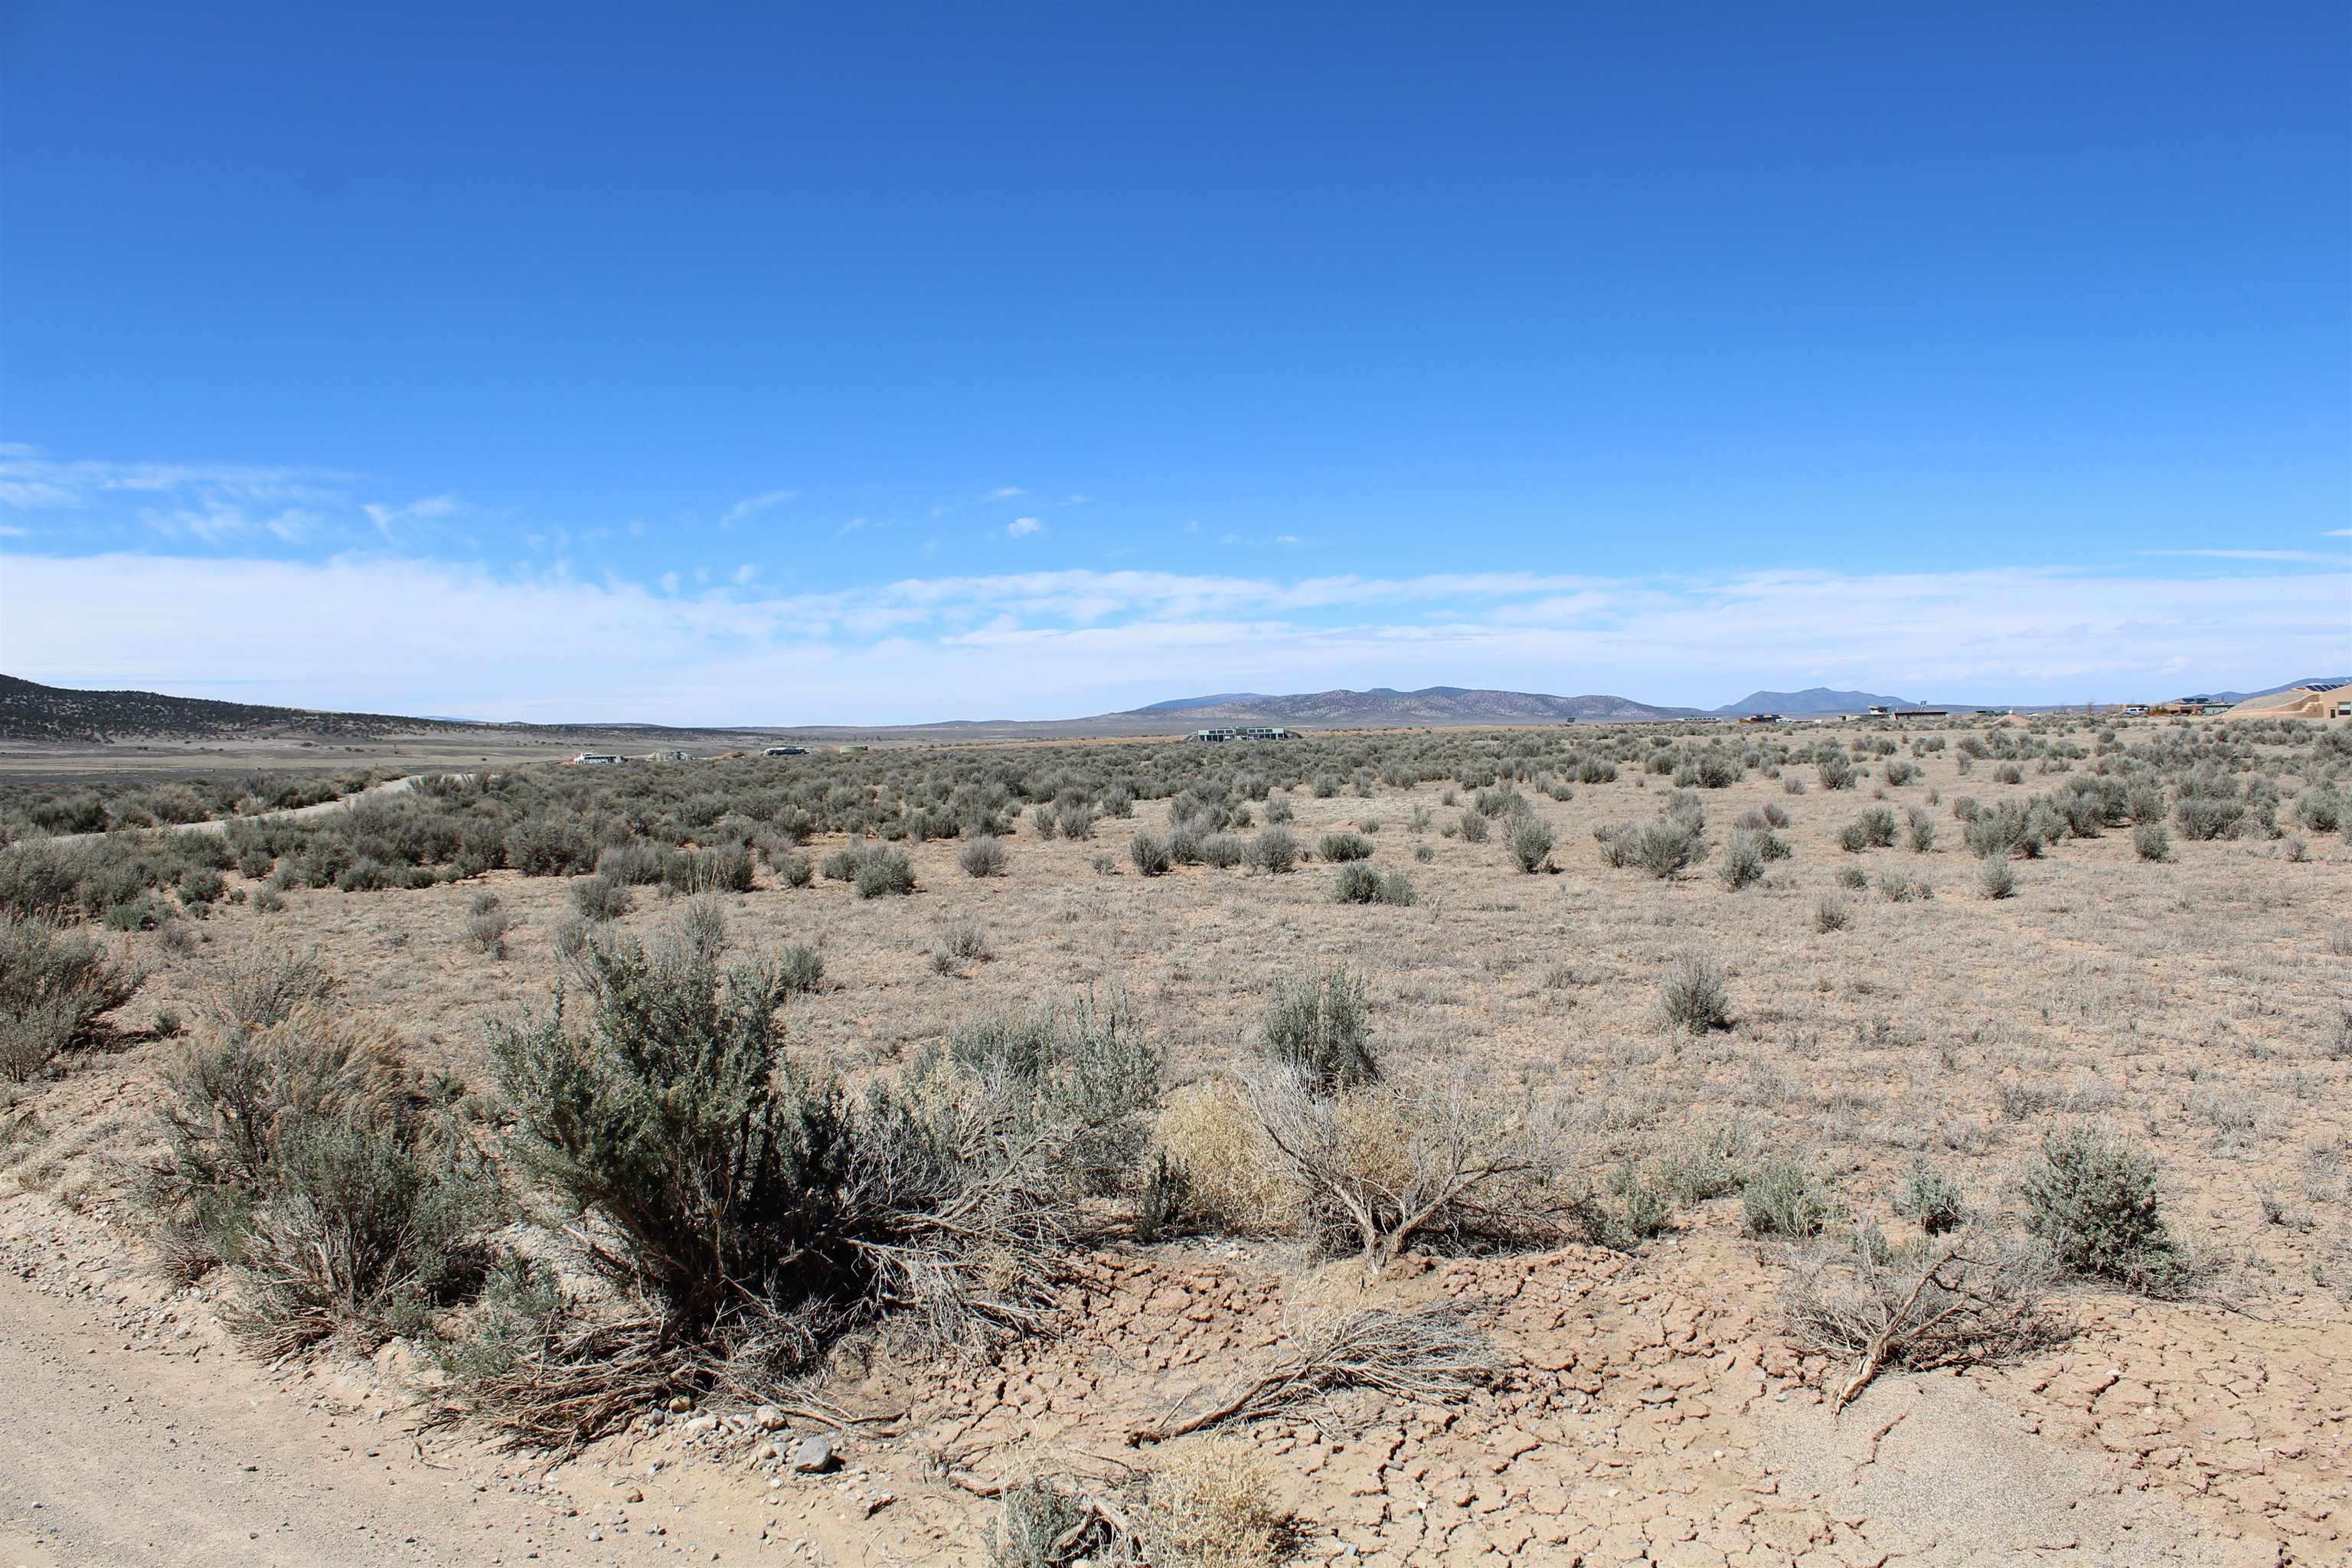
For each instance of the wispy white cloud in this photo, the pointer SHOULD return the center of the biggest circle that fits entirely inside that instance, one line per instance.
(751, 505)
(217, 520)
(1006, 492)
(1052, 644)
(1023, 527)
(32, 481)
(2337, 533)
(390, 520)
(2306, 556)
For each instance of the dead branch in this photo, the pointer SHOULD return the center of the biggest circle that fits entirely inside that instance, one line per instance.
(1431, 1355)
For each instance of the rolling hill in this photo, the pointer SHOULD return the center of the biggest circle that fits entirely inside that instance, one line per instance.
(1383, 708)
(31, 712)
(1812, 700)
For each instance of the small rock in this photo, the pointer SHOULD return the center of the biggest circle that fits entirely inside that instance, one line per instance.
(679, 1403)
(814, 1456)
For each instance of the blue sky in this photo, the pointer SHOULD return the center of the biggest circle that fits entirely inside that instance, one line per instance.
(883, 364)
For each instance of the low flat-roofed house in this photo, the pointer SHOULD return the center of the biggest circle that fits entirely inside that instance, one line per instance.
(1245, 732)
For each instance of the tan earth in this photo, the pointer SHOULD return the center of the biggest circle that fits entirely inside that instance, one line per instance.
(1655, 1408)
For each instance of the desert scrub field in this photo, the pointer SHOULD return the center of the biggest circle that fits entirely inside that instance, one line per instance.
(1965, 1043)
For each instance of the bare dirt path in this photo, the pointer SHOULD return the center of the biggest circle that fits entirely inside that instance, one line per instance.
(109, 1456)
(289, 814)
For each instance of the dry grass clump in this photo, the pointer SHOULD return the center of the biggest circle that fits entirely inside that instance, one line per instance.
(260, 984)
(1211, 1504)
(1236, 1181)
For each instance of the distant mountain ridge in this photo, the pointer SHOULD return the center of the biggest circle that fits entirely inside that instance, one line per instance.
(31, 712)
(1385, 708)
(1812, 700)
(2316, 683)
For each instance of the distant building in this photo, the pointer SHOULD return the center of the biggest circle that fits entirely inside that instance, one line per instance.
(1879, 711)
(595, 759)
(1760, 719)
(2187, 707)
(1246, 732)
(671, 755)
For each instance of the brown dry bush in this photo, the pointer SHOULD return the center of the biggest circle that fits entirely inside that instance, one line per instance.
(1959, 1299)
(1432, 1355)
(1383, 1164)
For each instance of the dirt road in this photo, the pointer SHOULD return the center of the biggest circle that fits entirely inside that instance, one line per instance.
(290, 813)
(117, 1456)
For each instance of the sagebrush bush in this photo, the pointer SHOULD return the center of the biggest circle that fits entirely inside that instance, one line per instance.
(763, 1207)
(2151, 842)
(1150, 854)
(1472, 827)
(291, 1156)
(1743, 862)
(1693, 997)
(1359, 883)
(1931, 1198)
(1830, 914)
(262, 984)
(54, 985)
(1275, 851)
(982, 856)
(1224, 851)
(800, 968)
(1781, 1199)
(601, 897)
(2095, 1199)
(486, 931)
(1084, 1070)
(883, 872)
(1996, 879)
(1530, 841)
(1341, 848)
(1321, 1025)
